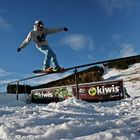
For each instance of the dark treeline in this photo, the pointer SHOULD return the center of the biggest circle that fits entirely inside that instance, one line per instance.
(11, 88)
(123, 64)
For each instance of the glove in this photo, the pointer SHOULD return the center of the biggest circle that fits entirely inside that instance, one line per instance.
(65, 29)
(19, 49)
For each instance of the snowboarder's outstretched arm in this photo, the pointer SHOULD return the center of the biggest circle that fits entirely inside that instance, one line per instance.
(55, 30)
(25, 42)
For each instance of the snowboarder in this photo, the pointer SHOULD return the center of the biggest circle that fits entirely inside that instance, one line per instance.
(38, 35)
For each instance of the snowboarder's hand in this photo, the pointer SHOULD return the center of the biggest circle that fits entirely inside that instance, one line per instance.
(19, 49)
(65, 29)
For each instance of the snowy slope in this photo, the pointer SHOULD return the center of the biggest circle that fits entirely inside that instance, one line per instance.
(131, 78)
(74, 119)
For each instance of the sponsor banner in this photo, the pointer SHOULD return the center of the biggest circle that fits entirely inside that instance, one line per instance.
(101, 90)
(97, 91)
(55, 94)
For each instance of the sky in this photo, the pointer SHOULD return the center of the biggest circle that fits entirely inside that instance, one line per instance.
(98, 30)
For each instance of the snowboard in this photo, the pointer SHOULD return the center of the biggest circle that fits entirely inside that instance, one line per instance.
(46, 72)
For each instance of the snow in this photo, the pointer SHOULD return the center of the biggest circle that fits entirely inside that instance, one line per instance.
(74, 119)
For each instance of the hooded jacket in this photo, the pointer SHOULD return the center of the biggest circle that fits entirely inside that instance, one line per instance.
(39, 36)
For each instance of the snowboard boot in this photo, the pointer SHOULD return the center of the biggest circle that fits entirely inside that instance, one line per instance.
(50, 69)
(58, 69)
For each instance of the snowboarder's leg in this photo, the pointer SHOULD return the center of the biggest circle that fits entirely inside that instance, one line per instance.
(46, 62)
(54, 60)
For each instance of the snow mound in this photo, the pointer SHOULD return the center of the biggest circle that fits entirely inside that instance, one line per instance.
(72, 119)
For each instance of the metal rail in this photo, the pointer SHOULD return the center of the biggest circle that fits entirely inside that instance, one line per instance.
(71, 68)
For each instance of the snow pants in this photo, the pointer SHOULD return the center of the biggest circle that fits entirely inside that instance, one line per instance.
(50, 57)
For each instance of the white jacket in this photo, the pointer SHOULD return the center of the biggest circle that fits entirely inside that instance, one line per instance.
(34, 34)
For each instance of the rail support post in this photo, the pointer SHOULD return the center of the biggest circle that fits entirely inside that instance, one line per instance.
(17, 89)
(76, 83)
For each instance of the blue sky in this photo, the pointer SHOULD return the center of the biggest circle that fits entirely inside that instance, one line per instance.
(98, 30)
